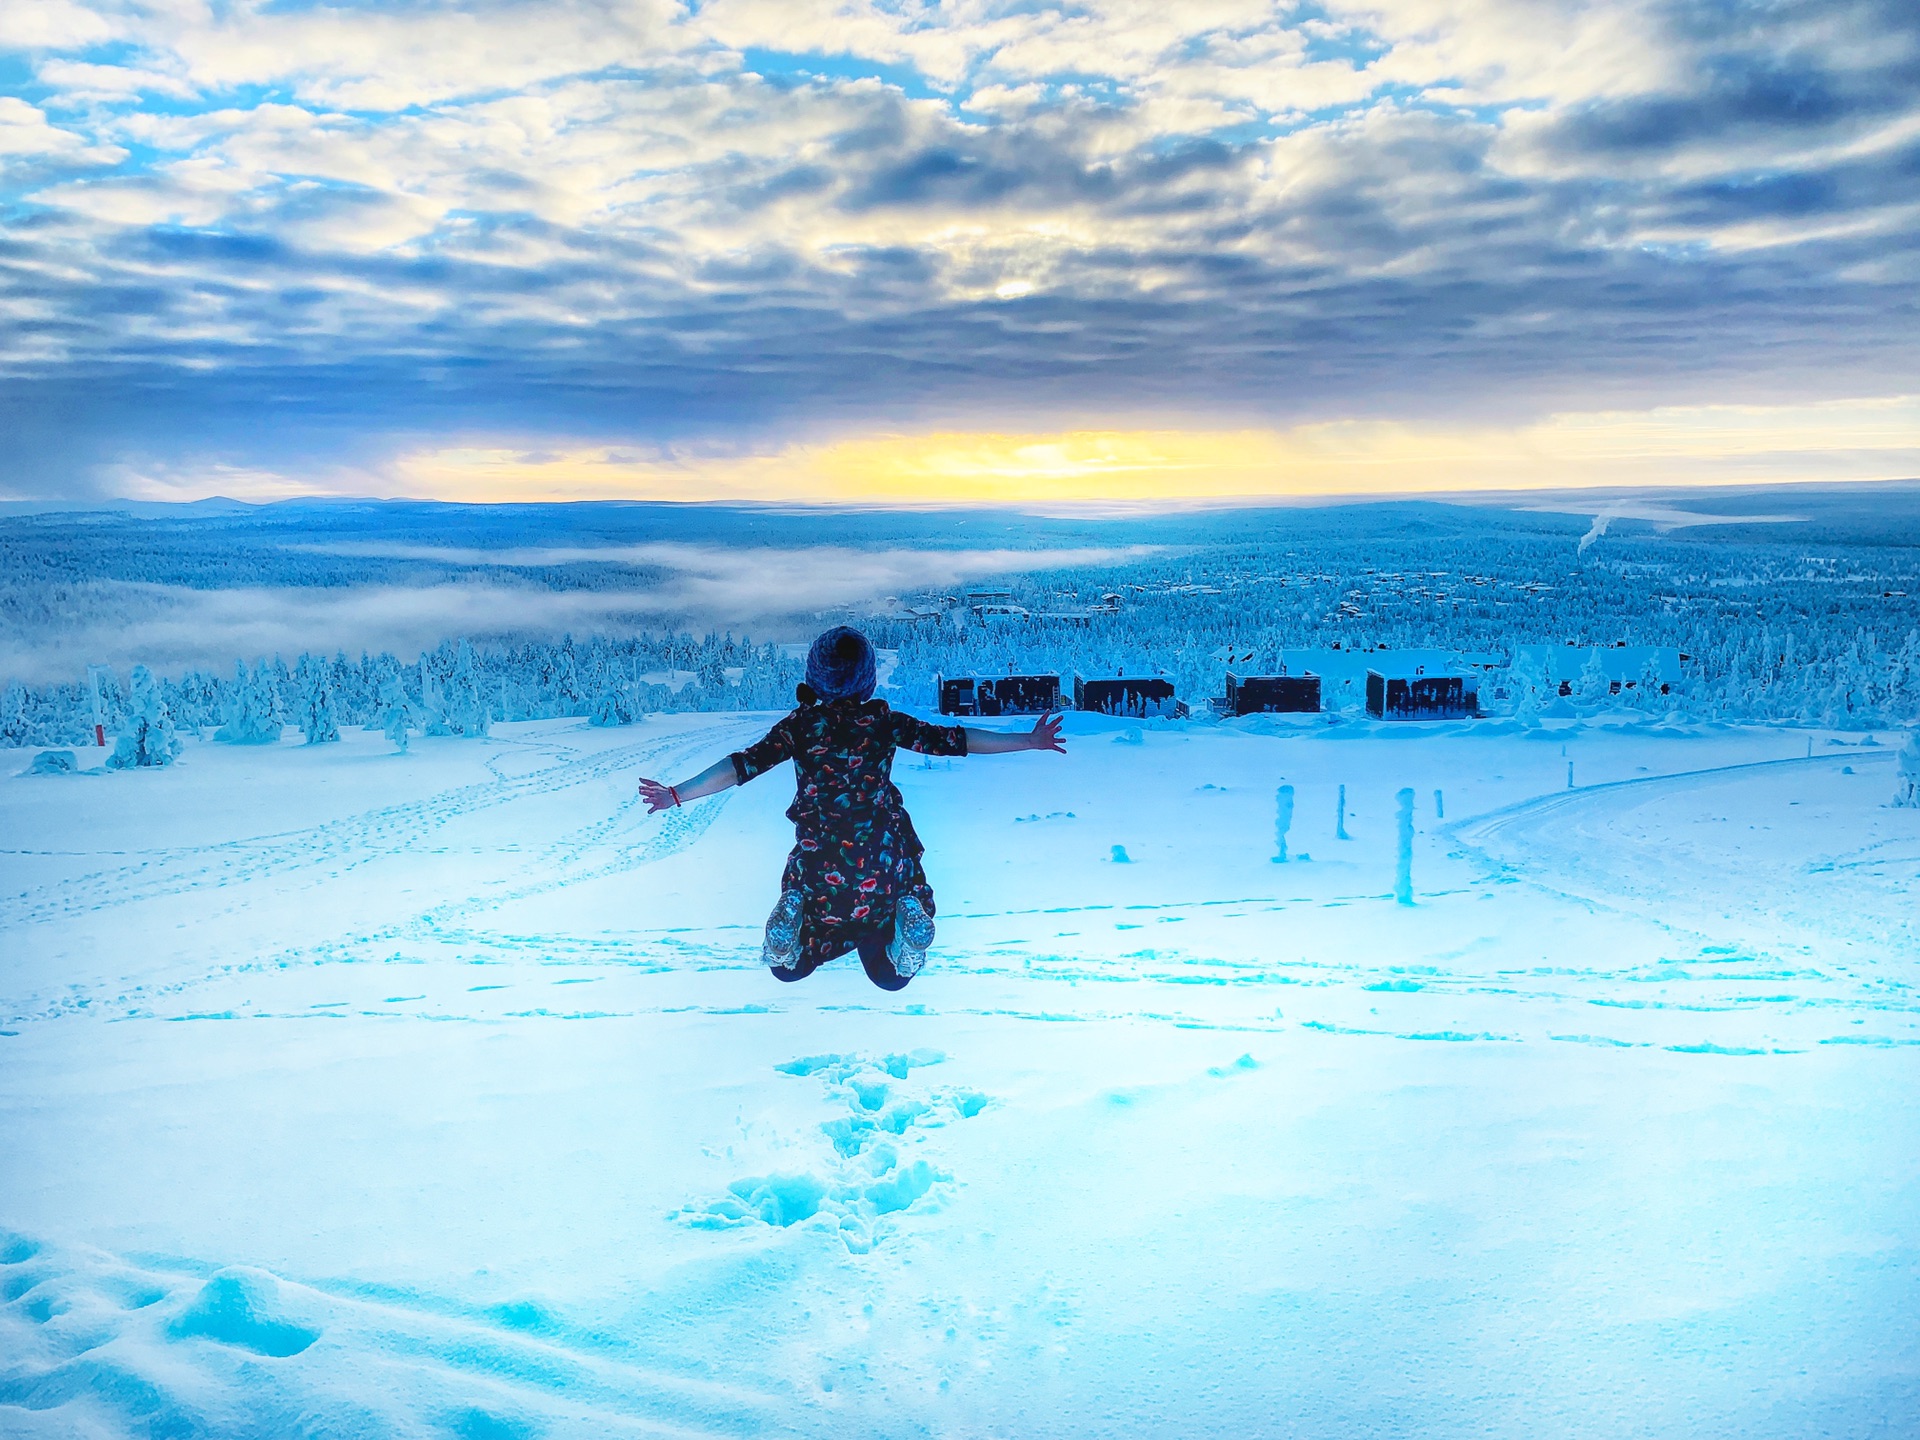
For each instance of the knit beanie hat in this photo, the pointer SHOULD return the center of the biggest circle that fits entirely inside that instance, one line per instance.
(840, 665)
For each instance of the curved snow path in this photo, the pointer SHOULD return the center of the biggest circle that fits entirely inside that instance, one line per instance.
(1720, 850)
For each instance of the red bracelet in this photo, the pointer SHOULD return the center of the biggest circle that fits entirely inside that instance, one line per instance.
(674, 791)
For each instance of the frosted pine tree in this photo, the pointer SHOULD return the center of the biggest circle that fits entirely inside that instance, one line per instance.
(1906, 788)
(317, 718)
(280, 692)
(465, 706)
(148, 741)
(610, 706)
(380, 671)
(1525, 686)
(1593, 687)
(1647, 688)
(398, 717)
(14, 727)
(433, 713)
(711, 676)
(567, 693)
(250, 709)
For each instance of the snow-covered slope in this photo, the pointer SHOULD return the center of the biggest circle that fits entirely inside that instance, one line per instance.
(351, 1093)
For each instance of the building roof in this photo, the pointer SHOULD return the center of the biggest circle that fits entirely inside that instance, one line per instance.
(1417, 671)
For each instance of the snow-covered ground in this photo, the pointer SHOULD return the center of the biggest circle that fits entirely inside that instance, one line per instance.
(347, 1093)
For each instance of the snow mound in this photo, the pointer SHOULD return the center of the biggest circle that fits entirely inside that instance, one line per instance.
(242, 1308)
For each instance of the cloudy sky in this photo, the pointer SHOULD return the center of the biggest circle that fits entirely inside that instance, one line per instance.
(990, 249)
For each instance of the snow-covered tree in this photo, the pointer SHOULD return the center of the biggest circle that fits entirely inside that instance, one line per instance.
(1646, 690)
(280, 690)
(1530, 687)
(252, 707)
(1593, 687)
(711, 677)
(147, 741)
(317, 719)
(564, 680)
(399, 717)
(463, 704)
(1906, 788)
(610, 706)
(14, 727)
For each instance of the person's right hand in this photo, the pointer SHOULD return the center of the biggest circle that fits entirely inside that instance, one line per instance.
(658, 797)
(1046, 735)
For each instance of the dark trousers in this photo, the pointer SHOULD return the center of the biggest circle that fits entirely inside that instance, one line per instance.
(873, 960)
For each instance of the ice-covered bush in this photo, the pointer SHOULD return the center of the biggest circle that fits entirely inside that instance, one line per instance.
(610, 708)
(148, 741)
(54, 762)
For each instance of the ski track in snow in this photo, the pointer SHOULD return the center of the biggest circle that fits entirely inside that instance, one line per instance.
(181, 870)
(1548, 841)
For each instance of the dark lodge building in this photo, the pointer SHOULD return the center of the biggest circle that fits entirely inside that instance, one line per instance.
(1416, 695)
(1138, 696)
(998, 694)
(1271, 695)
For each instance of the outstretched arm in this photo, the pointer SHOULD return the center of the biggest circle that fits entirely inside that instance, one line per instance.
(710, 781)
(1045, 735)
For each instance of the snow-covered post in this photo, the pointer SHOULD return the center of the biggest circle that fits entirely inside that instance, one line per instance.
(1439, 806)
(1906, 788)
(1403, 858)
(1569, 774)
(1340, 817)
(99, 705)
(1282, 822)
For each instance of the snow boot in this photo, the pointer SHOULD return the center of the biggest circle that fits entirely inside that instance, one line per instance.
(783, 932)
(912, 934)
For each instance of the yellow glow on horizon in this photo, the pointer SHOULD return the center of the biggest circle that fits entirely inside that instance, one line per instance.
(1869, 439)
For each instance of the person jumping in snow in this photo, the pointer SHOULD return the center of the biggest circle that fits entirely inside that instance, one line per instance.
(853, 880)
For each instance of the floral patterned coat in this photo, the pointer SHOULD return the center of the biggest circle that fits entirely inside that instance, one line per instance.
(856, 853)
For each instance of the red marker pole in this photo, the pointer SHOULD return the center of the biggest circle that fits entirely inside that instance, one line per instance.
(99, 708)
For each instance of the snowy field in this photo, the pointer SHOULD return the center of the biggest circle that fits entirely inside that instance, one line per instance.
(346, 1093)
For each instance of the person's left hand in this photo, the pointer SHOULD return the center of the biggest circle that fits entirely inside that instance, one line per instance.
(658, 797)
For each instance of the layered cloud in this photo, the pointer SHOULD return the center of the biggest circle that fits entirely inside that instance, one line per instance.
(241, 234)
